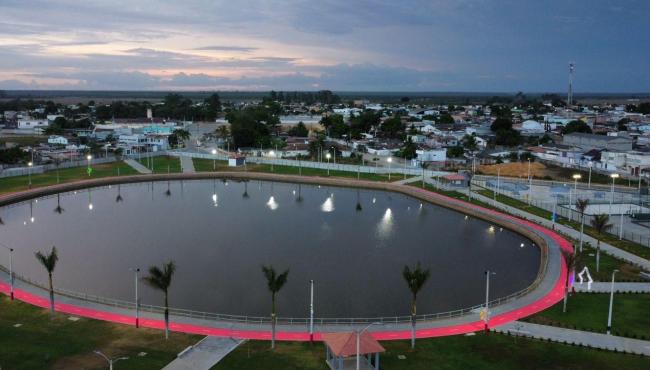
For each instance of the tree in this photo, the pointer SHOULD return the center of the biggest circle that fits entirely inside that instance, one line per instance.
(409, 151)
(49, 260)
(299, 130)
(161, 279)
(601, 224)
(621, 124)
(445, 118)
(274, 283)
(392, 127)
(570, 259)
(424, 165)
(212, 105)
(501, 124)
(415, 280)
(576, 126)
(469, 142)
(581, 206)
(455, 151)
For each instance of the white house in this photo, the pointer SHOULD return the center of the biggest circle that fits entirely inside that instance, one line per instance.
(31, 123)
(57, 140)
(431, 155)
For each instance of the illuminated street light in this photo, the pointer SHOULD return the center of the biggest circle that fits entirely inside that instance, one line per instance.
(614, 176)
(29, 173)
(214, 160)
(576, 177)
(271, 154)
(389, 160)
(89, 158)
(328, 156)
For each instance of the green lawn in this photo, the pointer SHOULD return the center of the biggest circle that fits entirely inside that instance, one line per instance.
(162, 164)
(40, 343)
(627, 272)
(459, 352)
(17, 183)
(632, 247)
(23, 140)
(588, 311)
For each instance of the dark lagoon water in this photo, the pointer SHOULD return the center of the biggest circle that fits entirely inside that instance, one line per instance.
(219, 238)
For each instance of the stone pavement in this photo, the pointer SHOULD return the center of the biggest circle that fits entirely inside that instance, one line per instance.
(570, 336)
(137, 166)
(187, 164)
(605, 287)
(205, 354)
(575, 234)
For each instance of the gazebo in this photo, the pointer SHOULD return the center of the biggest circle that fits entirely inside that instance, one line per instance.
(342, 350)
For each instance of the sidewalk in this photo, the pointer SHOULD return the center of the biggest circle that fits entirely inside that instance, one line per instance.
(137, 166)
(575, 234)
(205, 354)
(577, 337)
(603, 287)
(187, 164)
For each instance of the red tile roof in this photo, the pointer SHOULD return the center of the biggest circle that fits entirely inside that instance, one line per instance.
(345, 344)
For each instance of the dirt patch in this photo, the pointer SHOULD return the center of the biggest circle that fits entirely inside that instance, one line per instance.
(516, 169)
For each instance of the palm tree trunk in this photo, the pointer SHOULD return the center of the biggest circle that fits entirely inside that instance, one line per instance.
(273, 321)
(598, 255)
(166, 317)
(582, 230)
(413, 313)
(566, 290)
(51, 296)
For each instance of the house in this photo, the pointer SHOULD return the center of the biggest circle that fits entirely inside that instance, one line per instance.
(31, 123)
(592, 141)
(431, 155)
(57, 140)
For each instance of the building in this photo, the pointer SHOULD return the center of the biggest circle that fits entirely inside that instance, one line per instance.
(31, 123)
(431, 155)
(57, 140)
(591, 141)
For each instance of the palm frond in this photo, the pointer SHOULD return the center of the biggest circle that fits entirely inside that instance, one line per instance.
(48, 260)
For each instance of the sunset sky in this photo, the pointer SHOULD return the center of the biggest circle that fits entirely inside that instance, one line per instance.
(434, 45)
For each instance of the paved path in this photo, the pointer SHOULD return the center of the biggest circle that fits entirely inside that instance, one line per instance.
(408, 180)
(205, 354)
(575, 234)
(596, 340)
(137, 166)
(187, 164)
(603, 287)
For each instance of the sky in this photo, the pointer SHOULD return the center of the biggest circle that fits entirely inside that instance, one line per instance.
(341, 45)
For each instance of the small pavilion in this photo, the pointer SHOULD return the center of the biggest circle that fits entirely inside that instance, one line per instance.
(342, 350)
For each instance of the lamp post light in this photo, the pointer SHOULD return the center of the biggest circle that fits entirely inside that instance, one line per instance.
(530, 184)
(311, 309)
(110, 361)
(214, 160)
(359, 332)
(328, 156)
(486, 317)
(614, 176)
(11, 270)
(272, 155)
(611, 303)
(29, 173)
(576, 177)
(390, 160)
(89, 158)
(136, 271)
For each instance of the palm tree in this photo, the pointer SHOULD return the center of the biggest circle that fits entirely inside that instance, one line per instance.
(424, 166)
(161, 279)
(601, 224)
(58, 208)
(49, 262)
(415, 279)
(274, 282)
(245, 195)
(581, 206)
(571, 261)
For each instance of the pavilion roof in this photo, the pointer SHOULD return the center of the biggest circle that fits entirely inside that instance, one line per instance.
(345, 344)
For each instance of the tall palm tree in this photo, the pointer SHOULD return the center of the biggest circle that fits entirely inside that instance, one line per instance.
(161, 279)
(571, 261)
(415, 279)
(58, 208)
(48, 260)
(274, 282)
(601, 224)
(581, 206)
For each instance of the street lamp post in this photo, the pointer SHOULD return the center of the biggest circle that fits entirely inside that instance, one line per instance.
(328, 156)
(89, 158)
(576, 177)
(271, 154)
(614, 176)
(136, 270)
(611, 303)
(530, 184)
(486, 317)
(311, 311)
(359, 332)
(214, 160)
(390, 160)
(29, 173)
(110, 361)
(11, 271)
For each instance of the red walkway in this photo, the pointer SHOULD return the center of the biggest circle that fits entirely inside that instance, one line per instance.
(548, 300)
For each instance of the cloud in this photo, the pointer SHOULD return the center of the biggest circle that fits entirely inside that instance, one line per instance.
(243, 49)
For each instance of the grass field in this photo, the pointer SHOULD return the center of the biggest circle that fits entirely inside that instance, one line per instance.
(459, 352)
(588, 311)
(17, 183)
(162, 164)
(40, 343)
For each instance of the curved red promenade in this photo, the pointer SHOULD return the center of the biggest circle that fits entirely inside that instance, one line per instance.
(554, 296)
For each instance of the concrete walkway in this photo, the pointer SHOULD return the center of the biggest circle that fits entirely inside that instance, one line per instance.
(570, 336)
(575, 234)
(205, 354)
(187, 164)
(598, 287)
(137, 166)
